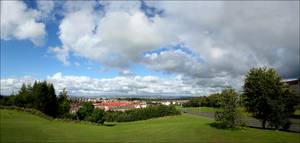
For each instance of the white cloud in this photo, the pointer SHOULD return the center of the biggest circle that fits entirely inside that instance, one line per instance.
(234, 36)
(115, 39)
(228, 37)
(120, 85)
(61, 54)
(45, 7)
(20, 22)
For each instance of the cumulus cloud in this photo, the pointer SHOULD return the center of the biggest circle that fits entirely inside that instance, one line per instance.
(234, 36)
(115, 38)
(225, 39)
(20, 22)
(230, 37)
(120, 85)
(13, 84)
(45, 7)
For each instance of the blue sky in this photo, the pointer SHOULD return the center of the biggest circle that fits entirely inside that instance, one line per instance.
(142, 47)
(22, 57)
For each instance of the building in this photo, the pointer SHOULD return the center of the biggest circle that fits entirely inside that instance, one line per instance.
(293, 85)
(119, 105)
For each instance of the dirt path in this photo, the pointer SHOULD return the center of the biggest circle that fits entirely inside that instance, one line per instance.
(250, 121)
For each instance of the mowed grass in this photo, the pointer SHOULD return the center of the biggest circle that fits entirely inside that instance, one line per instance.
(202, 109)
(213, 110)
(24, 127)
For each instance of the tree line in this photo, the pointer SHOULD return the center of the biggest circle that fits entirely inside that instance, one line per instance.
(40, 96)
(204, 101)
(141, 113)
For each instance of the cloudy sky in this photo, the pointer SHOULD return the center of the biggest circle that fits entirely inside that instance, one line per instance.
(187, 48)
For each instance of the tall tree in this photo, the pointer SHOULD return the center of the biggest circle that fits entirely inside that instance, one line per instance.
(63, 103)
(45, 98)
(21, 97)
(266, 97)
(51, 104)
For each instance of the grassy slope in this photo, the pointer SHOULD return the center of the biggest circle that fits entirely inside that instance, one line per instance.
(24, 127)
(202, 109)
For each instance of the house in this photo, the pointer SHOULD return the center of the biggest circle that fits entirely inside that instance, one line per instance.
(294, 85)
(119, 105)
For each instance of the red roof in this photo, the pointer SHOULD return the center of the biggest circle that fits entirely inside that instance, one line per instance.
(115, 103)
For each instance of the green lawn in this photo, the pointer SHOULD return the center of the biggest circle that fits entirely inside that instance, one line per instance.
(24, 127)
(202, 109)
(212, 109)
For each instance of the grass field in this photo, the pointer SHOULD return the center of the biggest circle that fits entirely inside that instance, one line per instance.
(202, 109)
(24, 127)
(211, 109)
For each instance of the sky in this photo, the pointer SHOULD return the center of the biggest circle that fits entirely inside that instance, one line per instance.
(182, 48)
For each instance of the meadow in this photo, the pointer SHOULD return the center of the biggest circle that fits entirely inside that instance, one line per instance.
(19, 126)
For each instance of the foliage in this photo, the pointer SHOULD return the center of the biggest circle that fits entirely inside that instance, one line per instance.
(229, 117)
(141, 114)
(98, 116)
(85, 111)
(63, 103)
(40, 96)
(267, 98)
(203, 101)
(7, 100)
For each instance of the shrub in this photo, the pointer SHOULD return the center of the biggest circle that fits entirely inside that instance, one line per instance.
(141, 114)
(203, 101)
(85, 111)
(97, 116)
(229, 117)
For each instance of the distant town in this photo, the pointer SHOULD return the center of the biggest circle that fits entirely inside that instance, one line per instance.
(123, 104)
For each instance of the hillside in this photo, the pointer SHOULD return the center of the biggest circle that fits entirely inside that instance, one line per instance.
(24, 127)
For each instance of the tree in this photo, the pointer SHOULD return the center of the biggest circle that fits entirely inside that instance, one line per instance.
(229, 116)
(21, 97)
(45, 98)
(85, 111)
(51, 104)
(63, 103)
(98, 116)
(266, 97)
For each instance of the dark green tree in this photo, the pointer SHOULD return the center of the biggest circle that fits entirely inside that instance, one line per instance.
(45, 98)
(51, 105)
(98, 116)
(21, 96)
(267, 98)
(63, 103)
(85, 111)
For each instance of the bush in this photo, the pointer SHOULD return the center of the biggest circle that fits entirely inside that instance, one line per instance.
(229, 117)
(98, 116)
(203, 101)
(141, 114)
(85, 111)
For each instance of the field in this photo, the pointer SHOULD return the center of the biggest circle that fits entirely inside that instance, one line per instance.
(24, 127)
(212, 110)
